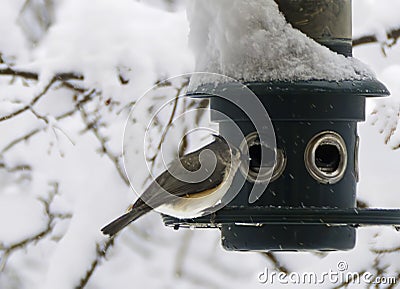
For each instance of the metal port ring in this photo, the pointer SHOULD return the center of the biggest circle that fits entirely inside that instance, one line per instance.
(265, 174)
(326, 175)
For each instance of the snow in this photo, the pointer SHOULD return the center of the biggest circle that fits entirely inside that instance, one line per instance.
(146, 43)
(20, 216)
(386, 113)
(250, 40)
(102, 38)
(368, 17)
(97, 40)
(14, 45)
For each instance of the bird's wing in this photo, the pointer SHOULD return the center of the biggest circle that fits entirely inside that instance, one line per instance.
(172, 181)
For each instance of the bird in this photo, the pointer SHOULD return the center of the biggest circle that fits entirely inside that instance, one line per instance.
(186, 198)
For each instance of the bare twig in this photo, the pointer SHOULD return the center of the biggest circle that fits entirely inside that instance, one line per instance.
(182, 253)
(100, 254)
(28, 106)
(20, 139)
(166, 128)
(170, 121)
(33, 132)
(9, 249)
(392, 36)
(17, 168)
(274, 260)
(93, 126)
(386, 251)
(64, 76)
(70, 85)
(201, 281)
(19, 73)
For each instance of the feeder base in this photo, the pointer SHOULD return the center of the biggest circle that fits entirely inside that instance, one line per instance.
(288, 238)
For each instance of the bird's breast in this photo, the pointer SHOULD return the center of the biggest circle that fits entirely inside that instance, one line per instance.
(194, 205)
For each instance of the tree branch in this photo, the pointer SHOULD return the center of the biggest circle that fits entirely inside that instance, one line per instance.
(100, 254)
(32, 103)
(9, 249)
(30, 134)
(93, 126)
(18, 168)
(182, 253)
(386, 251)
(271, 256)
(392, 35)
(63, 76)
(19, 73)
(170, 120)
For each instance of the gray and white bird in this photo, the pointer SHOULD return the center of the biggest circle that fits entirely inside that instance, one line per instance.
(170, 192)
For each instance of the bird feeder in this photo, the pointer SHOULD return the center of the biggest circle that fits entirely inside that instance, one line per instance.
(310, 202)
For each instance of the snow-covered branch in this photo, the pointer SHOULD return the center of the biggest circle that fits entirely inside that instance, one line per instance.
(81, 78)
(101, 251)
(392, 36)
(93, 124)
(9, 249)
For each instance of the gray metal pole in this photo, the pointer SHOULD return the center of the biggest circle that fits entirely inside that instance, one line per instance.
(329, 22)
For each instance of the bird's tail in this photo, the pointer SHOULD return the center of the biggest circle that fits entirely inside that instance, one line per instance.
(123, 221)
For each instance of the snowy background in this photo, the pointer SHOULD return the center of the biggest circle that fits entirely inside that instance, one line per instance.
(69, 72)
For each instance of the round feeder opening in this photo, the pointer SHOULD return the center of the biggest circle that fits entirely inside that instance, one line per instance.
(326, 157)
(269, 168)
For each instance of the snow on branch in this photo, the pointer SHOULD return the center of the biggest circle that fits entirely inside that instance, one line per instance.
(63, 77)
(86, 108)
(94, 125)
(276, 263)
(101, 252)
(9, 249)
(33, 132)
(392, 36)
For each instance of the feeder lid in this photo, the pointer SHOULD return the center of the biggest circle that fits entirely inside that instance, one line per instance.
(367, 87)
(316, 100)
